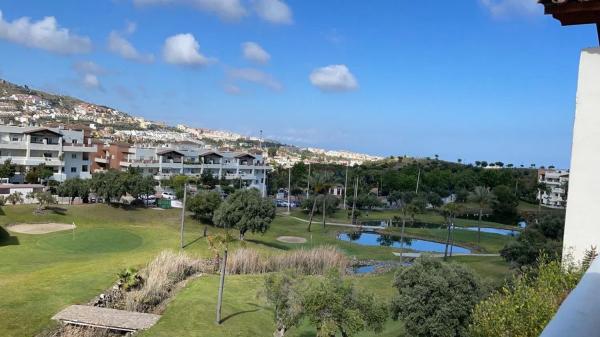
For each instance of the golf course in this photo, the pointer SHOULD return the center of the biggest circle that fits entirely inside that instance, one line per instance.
(40, 274)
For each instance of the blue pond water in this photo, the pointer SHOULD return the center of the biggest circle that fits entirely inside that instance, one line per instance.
(506, 232)
(376, 239)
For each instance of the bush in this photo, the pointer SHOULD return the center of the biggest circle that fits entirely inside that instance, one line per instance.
(435, 298)
(525, 307)
(316, 261)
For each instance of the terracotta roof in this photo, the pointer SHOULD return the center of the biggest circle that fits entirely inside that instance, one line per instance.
(244, 155)
(210, 152)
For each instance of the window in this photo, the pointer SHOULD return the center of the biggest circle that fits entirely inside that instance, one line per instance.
(47, 154)
(74, 155)
(74, 141)
(84, 168)
(15, 139)
(73, 169)
(86, 156)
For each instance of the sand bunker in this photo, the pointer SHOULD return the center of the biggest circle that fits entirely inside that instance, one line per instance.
(39, 228)
(291, 239)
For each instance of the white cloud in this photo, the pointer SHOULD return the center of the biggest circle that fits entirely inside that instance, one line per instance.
(232, 89)
(121, 46)
(225, 9)
(255, 76)
(91, 81)
(44, 34)
(254, 52)
(275, 11)
(88, 72)
(502, 8)
(333, 78)
(183, 49)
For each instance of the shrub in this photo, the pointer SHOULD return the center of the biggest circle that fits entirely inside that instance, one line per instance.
(160, 277)
(525, 307)
(204, 204)
(316, 261)
(435, 298)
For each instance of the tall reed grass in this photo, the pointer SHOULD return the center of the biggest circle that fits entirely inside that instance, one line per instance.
(160, 277)
(316, 261)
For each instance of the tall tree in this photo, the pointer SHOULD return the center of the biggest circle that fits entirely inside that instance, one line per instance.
(484, 198)
(245, 210)
(450, 211)
(320, 183)
(74, 188)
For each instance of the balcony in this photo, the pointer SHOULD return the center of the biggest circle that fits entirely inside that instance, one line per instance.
(33, 161)
(45, 147)
(79, 148)
(13, 145)
(101, 160)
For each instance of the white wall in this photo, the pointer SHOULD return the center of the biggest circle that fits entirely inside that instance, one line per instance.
(582, 229)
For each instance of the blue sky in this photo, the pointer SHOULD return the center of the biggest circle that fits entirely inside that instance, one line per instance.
(470, 79)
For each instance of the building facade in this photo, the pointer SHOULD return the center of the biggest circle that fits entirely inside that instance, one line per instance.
(557, 182)
(67, 153)
(192, 160)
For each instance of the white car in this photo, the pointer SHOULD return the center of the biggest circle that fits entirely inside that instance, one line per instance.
(168, 195)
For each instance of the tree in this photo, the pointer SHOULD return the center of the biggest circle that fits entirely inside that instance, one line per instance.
(525, 306)
(450, 211)
(245, 210)
(506, 202)
(272, 152)
(282, 293)
(484, 198)
(217, 244)
(320, 182)
(331, 203)
(334, 305)
(38, 174)
(204, 204)
(538, 239)
(434, 199)
(208, 180)
(435, 298)
(44, 199)
(74, 188)
(8, 169)
(15, 198)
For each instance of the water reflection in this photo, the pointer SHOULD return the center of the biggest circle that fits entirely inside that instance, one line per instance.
(387, 240)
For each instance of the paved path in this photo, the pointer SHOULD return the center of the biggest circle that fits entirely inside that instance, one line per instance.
(106, 318)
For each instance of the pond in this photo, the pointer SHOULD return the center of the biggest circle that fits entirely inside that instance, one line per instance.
(505, 232)
(385, 240)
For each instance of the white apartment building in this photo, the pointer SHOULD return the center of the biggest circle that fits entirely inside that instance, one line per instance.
(557, 183)
(164, 162)
(67, 152)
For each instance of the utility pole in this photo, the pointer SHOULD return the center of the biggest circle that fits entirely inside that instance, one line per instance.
(289, 187)
(183, 211)
(345, 186)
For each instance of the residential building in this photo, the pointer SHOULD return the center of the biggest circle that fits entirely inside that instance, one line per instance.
(186, 159)
(66, 152)
(556, 182)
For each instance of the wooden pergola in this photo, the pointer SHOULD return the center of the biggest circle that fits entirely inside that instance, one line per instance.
(574, 12)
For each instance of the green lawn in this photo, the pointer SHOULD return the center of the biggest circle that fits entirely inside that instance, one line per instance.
(41, 274)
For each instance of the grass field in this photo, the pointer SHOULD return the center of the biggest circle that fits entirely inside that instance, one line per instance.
(41, 274)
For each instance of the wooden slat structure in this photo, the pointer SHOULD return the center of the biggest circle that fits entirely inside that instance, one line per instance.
(574, 12)
(113, 319)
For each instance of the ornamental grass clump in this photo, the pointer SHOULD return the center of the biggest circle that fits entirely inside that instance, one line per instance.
(160, 278)
(316, 261)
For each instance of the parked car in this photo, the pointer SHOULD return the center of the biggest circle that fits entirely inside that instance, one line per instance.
(168, 195)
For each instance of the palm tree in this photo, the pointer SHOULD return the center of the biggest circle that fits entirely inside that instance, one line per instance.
(450, 211)
(320, 183)
(483, 197)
